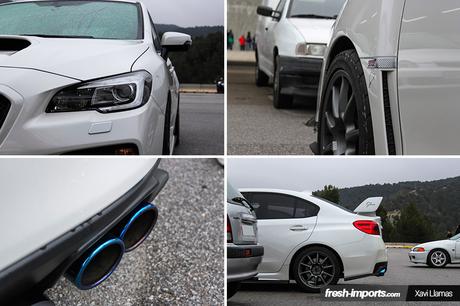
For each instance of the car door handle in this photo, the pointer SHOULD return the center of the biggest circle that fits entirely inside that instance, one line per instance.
(298, 228)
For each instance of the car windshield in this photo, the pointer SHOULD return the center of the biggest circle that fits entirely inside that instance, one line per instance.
(72, 19)
(456, 237)
(324, 9)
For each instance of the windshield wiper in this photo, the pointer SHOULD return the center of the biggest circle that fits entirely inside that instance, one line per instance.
(313, 16)
(57, 36)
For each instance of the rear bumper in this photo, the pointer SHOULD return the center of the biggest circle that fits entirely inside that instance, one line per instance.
(418, 257)
(379, 270)
(242, 262)
(300, 75)
(31, 276)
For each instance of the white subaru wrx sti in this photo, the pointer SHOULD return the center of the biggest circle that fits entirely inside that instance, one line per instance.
(315, 242)
(86, 77)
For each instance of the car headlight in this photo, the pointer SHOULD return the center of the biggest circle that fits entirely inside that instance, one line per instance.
(107, 95)
(304, 49)
(418, 250)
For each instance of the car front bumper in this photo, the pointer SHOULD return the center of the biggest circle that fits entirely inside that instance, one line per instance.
(418, 257)
(31, 276)
(28, 129)
(300, 75)
(242, 261)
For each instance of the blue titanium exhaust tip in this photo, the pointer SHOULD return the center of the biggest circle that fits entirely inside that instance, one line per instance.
(97, 264)
(137, 226)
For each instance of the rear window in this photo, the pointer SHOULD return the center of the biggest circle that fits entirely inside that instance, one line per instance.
(73, 19)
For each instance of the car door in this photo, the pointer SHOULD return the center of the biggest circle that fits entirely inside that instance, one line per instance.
(284, 222)
(429, 77)
(457, 249)
(269, 44)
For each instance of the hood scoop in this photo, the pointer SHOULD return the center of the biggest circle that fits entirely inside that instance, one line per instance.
(10, 46)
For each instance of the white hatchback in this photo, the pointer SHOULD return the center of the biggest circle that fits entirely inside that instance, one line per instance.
(86, 77)
(315, 242)
(291, 43)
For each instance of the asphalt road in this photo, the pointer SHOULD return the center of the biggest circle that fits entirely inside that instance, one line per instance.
(401, 272)
(181, 263)
(202, 125)
(255, 127)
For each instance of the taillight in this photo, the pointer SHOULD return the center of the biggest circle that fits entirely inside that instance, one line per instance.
(229, 231)
(368, 227)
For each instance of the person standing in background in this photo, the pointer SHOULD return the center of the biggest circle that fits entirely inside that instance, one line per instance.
(458, 230)
(230, 40)
(249, 41)
(242, 42)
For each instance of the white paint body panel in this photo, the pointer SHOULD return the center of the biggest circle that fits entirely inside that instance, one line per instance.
(422, 35)
(333, 227)
(28, 129)
(43, 199)
(452, 247)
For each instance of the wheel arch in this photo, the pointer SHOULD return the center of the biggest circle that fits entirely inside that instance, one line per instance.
(294, 257)
(341, 44)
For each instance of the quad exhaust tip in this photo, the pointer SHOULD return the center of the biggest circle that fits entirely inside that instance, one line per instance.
(97, 264)
(137, 226)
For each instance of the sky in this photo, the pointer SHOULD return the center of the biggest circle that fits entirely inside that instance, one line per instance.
(187, 13)
(302, 174)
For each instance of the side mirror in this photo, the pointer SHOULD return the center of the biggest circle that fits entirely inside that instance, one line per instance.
(175, 42)
(268, 12)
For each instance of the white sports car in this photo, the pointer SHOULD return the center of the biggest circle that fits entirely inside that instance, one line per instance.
(86, 77)
(72, 217)
(437, 254)
(291, 41)
(391, 80)
(315, 242)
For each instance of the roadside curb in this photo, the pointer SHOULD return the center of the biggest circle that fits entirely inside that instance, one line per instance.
(241, 63)
(197, 91)
(399, 246)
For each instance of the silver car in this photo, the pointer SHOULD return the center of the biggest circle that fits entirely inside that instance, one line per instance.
(243, 253)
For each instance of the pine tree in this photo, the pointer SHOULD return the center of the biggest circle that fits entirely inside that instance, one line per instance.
(330, 193)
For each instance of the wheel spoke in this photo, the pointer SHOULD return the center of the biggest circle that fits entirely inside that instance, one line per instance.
(324, 281)
(335, 101)
(352, 136)
(343, 95)
(328, 274)
(349, 112)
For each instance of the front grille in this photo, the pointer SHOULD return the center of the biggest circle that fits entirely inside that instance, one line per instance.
(5, 106)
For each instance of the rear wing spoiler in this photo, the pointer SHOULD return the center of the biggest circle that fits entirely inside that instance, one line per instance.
(369, 207)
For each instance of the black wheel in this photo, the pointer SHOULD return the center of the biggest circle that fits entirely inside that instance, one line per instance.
(438, 259)
(177, 125)
(261, 78)
(279, 100)
(315, 268)
(167, 129)
(232, 289)
(345, 123)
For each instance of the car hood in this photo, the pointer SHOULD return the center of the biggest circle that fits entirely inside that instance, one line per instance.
(314, 30)
(82, 59)
(429, 245)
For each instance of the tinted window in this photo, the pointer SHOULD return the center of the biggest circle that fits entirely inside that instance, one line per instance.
(327, 8)
(88, 19)
(280, 206)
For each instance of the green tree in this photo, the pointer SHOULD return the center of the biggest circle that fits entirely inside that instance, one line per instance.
(413, 226)
(330, 193)
(388, 228)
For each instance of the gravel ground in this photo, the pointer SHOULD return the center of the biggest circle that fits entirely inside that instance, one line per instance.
(181, 263)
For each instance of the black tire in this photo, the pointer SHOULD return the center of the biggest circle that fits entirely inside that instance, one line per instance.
(261, 78)
(345, 129)
(177, 125)
(279, 100)
(232, 289)
(315, 268)
(167, 131)
(438, 258)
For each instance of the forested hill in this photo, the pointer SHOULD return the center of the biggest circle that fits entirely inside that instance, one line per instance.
(438, 200)
(204, 62)
(192, 31)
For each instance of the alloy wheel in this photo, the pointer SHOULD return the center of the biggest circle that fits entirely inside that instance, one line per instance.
(316, 270)
(438, 258)
(340, 128)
